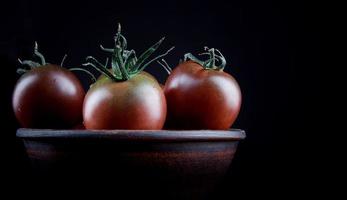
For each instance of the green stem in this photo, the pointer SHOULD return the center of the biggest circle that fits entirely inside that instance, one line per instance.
(166, 66)
(106, 62)
(221, 59)
(33, 64)
(125, 63)
(99, 67)
(38, 54)
(21, 71)
(156, 58)
(211, 62)
(147, 53)
(30, 63)
(115, 68)
(118, 57)
(108, 50)
(62, 61)
(193, 58)
(213, 58)
(128, 55)
(84, 70)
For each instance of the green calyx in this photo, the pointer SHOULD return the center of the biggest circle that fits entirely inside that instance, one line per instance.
(33, 64)
(124, 63)
(165, 66)
(215, 56)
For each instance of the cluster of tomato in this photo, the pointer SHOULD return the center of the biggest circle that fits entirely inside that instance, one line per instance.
(196, 95)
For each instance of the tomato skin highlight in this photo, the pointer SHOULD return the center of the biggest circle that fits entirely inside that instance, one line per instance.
(199, 98)
(48, 96)
(138, 103)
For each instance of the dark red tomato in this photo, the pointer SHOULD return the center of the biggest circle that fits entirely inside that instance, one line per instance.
(48, 96)
(137, 103)
(199, 98)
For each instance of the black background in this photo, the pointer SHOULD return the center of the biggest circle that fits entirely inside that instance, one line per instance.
(273, 49)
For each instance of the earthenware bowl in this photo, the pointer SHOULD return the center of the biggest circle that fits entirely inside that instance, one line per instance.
(165, 164)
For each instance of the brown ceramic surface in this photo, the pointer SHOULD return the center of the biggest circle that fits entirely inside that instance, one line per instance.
(176, 164)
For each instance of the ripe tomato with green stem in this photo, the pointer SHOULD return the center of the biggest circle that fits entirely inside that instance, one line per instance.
(200, 95)
(125, 97)
(47, 95)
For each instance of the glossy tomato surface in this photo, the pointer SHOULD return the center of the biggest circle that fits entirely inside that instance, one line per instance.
(199, 98)
(138, 103)
(48, 96)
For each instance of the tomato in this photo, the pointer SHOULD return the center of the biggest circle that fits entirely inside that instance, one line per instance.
(124, 97)
(138, 103)
(202, 97)
(48, 96)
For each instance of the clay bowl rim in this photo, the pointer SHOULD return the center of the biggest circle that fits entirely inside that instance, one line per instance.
(134, 135)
